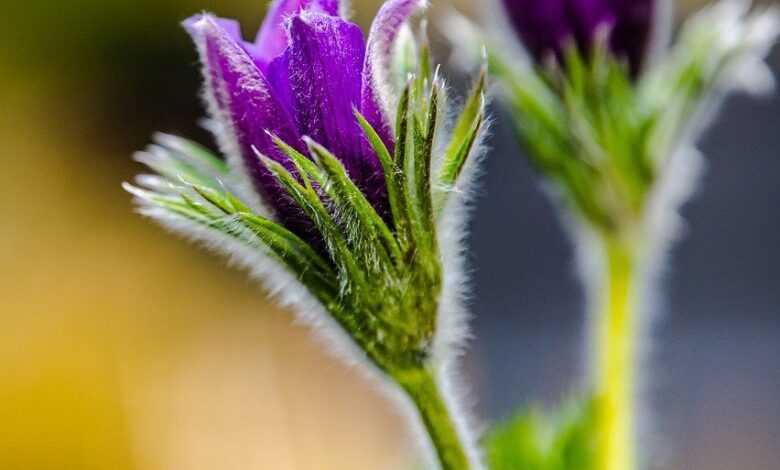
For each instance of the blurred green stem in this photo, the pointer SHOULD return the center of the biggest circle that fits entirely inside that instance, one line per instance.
(615, 359)
(421, 386)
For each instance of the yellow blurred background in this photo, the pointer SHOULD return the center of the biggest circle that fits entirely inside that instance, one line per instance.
(122, 347)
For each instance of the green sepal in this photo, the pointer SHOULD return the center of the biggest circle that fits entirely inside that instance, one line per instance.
(390, 170)
(467, 130)
(418, 174)
(354, 206)
(306, 197)
(464, 133)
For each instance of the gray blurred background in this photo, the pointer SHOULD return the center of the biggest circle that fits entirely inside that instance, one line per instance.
(122, 347)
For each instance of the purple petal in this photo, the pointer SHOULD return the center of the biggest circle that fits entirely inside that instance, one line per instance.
(232, 28)
(633, 32)
(242, 101)
(546, 26)
(272, 38)
(543, 26)
(377, 96)
(325, 59)
(278, 73)
(331, 7)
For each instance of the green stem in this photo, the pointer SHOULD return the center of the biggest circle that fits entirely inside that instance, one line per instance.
(421, 386)
(615, 345)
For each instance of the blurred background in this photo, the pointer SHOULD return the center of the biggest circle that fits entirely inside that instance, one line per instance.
(121, 347)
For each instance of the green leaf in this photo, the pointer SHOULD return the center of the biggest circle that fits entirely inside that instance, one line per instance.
(533, 440)
(517, 444)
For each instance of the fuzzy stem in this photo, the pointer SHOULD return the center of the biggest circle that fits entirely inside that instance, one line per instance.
(437, 418)
(615, 345)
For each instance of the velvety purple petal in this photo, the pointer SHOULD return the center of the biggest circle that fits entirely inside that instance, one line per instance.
(278, 73)
(377, 103)
(545, 25)
(633, 31)
(325, 59)
(233, 29)
(272, 38)
(244, 103)
(331, 7)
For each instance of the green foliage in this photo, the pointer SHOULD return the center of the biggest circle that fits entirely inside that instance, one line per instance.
(534, 441)
(381, 281)
(605, 138)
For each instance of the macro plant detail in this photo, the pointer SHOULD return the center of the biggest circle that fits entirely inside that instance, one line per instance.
(609, 113)
(340, 188)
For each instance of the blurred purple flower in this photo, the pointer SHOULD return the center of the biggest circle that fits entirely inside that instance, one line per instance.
(546, 26)
(304, 75)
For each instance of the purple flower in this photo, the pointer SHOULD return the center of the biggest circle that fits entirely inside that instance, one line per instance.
(547, 26)
(304, 75)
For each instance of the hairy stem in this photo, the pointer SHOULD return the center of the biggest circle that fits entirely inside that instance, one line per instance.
(437, 418)
(615, 344)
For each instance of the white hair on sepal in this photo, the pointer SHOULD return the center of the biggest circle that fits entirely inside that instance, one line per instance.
(157, 184)
(459, 399)
(452, 231)
(753, 76)
(749, 35)
(749, 71)
(452, 330)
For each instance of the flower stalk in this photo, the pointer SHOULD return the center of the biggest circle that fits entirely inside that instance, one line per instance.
(437, 418)
(615, 337)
